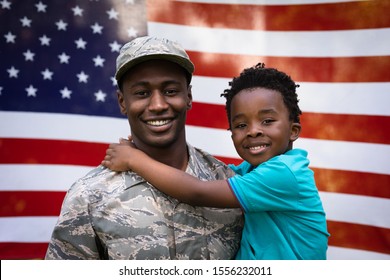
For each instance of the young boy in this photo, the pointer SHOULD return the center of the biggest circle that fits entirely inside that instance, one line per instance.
(284, 217)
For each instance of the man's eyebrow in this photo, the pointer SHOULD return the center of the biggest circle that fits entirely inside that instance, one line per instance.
(145, 83)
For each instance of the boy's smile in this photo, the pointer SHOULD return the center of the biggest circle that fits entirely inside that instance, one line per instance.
(260, 125)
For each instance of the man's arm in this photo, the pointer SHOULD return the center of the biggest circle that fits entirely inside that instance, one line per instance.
(174, 182)
(73, 237)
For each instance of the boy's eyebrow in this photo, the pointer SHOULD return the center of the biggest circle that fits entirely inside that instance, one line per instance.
(261, 112)
(267, 111)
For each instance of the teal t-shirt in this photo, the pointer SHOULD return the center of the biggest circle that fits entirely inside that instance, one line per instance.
(284, 217)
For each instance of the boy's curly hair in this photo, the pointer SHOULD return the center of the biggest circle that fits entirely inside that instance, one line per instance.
(261, 77)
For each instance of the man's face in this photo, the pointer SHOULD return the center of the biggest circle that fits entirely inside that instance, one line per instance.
(155, 97)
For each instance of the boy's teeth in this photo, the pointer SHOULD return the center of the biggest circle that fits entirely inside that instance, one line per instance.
(158, 123)
(257, 147)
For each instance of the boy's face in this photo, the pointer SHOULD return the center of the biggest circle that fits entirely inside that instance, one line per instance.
(260, 125)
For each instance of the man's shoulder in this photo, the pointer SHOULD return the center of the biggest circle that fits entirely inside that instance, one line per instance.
(97, 180)
(202, 162)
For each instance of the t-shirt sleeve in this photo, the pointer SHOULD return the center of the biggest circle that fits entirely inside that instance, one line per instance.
(271, 186)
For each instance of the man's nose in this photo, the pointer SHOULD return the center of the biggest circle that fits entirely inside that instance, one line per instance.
(157, 102)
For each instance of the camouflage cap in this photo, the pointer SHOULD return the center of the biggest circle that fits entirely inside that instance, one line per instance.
(147, 48)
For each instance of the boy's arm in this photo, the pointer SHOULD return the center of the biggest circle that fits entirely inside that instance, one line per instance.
(172, 181)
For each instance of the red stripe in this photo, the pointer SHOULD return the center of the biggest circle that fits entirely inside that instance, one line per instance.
(29, 203)
(22, 251)
(41, 151)
(346, 235)
(351, 182)
(13, 151)
(345, 127)
(339, 127)
(301, 69)
(312, 17)
(340, 181)
(361, 237)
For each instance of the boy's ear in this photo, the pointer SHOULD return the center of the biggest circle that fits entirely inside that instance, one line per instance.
(295, 131)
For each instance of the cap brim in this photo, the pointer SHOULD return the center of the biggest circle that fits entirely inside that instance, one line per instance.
(181, 61)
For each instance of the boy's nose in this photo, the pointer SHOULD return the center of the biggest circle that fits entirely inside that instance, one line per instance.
(254, 131)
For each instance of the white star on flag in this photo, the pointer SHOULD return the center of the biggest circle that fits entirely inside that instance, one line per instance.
(65, 93)
(77, 11)
(83, 78)
(64, 58)
(28, 55)
(45, 41)
(31, 91)
(97, 28)
(100, 96)
(80, 43)
(9, 37)
(13, 72)
(25, 22)
(47, 74)
(98, 61)
(61, 25)
(41, 7)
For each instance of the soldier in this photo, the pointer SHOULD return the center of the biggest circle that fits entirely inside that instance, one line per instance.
(118, 215)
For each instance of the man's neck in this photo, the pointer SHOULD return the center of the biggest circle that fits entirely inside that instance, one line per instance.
(176, 155)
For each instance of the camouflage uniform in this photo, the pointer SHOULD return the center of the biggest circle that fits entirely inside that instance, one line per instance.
(110, 215)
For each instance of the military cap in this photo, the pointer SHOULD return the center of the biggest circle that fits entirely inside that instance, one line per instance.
(147, 48)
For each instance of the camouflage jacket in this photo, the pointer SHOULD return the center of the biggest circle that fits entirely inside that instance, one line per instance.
(110, 215)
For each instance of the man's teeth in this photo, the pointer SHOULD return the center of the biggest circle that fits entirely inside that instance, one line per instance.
(158, 123)
(257, 147)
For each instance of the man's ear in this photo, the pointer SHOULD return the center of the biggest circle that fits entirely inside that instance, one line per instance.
(121, 102)
(189, 95)
(295, 131)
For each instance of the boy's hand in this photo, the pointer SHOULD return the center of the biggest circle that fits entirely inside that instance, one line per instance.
(119, 155)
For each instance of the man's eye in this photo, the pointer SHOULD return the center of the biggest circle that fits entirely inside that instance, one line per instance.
(141, 93)
(170, 92)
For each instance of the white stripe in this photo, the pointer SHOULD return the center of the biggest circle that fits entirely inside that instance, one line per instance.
(39, 177)
(26, 229)
(62, 127)
(268, 2)
(356, 209)
(332, 98)
(339, 253)
(344, 43)
(345, 98)
(343, 155)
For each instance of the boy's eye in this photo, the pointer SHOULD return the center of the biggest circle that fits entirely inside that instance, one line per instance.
(268, 121)
(240, 125)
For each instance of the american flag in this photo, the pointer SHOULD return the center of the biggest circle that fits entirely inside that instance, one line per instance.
(58, 107)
